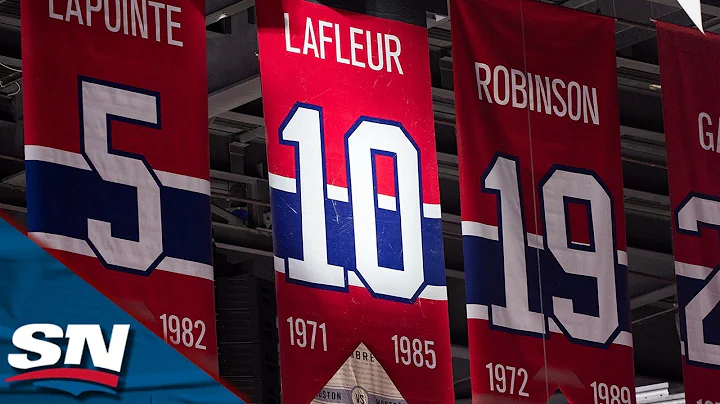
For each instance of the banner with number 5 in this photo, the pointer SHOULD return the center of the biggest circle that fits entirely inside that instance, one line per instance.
(360, 277)
(691, 111)
(542, 203)
(116, 156)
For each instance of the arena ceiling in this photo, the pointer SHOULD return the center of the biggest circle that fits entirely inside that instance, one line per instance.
(239, 166)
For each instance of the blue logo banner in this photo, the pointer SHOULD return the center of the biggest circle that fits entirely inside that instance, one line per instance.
(62, 341)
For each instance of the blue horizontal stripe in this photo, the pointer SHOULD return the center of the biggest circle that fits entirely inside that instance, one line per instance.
(485, 280)
(688, 288)
(61, 199)
(287, 225)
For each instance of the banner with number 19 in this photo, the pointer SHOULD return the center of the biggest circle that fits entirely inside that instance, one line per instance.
(542, 203)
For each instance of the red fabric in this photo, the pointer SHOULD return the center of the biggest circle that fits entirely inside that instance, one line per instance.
(687, 66)
(55, 53)
(548, 41)
(686, 58)
(347, 93)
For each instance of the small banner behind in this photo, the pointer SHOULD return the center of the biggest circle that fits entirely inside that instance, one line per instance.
(359, 264)
(542, 203)
(688, 69)
(116, 154)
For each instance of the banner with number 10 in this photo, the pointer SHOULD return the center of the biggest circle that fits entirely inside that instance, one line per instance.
(356, 207)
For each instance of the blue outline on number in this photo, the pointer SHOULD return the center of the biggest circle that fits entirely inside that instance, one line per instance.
(567, 200)
(541, 184)
(353, 128)
(397, 198)
(715, 270)
(109, 118)
(497, 194)
(376, 196)
(296, 149)
(374, 153)
(700, 224)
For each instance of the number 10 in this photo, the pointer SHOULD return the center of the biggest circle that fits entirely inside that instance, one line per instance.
(303, 129)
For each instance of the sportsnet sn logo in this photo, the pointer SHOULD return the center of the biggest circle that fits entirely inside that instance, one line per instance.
(40, 360)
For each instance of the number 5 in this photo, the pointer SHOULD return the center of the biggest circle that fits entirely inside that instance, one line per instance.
(100, 105)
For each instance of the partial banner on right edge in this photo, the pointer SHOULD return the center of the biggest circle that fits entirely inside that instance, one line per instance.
(691, 110)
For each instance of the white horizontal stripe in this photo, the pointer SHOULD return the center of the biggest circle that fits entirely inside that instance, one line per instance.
(430, 292)
(535, 241)
(481, 230)
(353, 279)
(432, 211)
(622, 257)
(553, 327)
(81, 247)
(477, 311)
(433, 292)
(480, 312)
(184, 267)
(183, 182)
(56, 156)
(62, 243)
(279, 264)
(692, 271)
(490, 232)
(76, 160)
(337, 193)
(624, 338)
(386, 202)
(282, 183)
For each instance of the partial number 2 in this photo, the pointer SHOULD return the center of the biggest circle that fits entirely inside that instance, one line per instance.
(701, 211)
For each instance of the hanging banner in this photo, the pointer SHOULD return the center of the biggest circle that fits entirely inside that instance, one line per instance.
(356, 208)
(116, 155)
(542, 203)
(691, 113)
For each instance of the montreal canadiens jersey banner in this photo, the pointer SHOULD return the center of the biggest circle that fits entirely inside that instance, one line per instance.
(116, 155)
(542, 203)
(359, 265)
(63, 342)
(691, 115)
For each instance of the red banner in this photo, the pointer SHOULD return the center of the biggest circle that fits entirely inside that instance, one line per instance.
(116, 156)
(688, 61)
(362, 303)
(542, 203)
